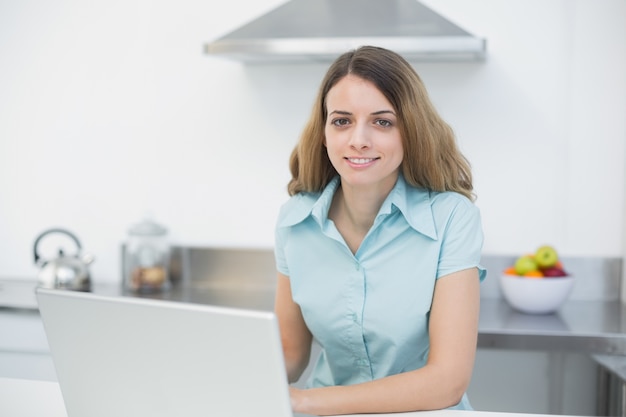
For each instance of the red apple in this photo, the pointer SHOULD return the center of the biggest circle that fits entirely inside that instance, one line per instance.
(554, 271)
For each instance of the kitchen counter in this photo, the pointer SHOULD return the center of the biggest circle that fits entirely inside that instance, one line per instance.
(582, 326)
(616, 364)
(589, 329)
(18, 395)
(18, 398)
(594, 327)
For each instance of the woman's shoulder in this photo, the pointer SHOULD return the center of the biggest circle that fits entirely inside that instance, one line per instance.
(452, 207)
(417, 196)
(296, 208)
(449, 198)
(440, 206)
(300, 206)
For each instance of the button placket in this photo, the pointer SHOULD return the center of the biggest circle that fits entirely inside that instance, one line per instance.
(358, 348)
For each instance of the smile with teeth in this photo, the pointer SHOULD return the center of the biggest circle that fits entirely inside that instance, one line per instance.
(361, 161)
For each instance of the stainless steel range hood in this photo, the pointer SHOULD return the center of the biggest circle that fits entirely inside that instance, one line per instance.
(320, 30)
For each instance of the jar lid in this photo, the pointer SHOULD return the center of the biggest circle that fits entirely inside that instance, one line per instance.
(147, 228)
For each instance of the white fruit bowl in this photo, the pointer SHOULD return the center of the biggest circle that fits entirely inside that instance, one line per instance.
(536, 295)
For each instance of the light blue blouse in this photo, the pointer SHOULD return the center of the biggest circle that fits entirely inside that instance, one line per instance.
(369, 311)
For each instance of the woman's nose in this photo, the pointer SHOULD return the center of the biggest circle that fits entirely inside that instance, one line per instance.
(359, 138)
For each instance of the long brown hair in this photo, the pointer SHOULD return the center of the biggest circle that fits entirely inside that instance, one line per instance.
(431, 158)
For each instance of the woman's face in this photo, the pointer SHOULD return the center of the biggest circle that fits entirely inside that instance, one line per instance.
(362, 135)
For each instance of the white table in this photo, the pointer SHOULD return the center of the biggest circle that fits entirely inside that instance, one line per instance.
(30, 398)
(33, 398)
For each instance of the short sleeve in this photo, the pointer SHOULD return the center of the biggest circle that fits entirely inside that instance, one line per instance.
(292, 212)
(280, 240)
(462, 240)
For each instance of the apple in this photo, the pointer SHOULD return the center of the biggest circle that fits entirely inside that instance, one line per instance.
(525, 264)
(554, 271)
(546, 257)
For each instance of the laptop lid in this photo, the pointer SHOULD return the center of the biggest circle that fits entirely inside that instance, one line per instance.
(124, 356)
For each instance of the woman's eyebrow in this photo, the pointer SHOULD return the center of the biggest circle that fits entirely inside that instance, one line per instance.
(342, 112)
(376, 113)
(384, 112)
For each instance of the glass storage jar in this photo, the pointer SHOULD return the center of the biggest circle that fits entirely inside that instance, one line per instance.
(146, 258)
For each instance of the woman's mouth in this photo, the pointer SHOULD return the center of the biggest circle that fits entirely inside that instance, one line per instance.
(361, 161)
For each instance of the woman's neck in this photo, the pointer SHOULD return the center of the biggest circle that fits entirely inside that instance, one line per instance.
(359, 208)
(353, 210)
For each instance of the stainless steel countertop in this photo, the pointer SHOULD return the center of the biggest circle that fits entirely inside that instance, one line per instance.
(594, 327)
(597, 327)
(579, 326)
(613, 363)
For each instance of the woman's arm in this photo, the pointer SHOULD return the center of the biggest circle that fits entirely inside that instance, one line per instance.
(296, 337)
(439, 384)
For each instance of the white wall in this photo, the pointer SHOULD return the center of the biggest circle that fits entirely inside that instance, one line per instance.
(109, 110)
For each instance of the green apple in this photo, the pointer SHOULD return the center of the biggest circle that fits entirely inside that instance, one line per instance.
(546, 256)
(525, 264)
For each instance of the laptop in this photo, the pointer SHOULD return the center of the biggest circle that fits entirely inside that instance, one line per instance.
(125, 356)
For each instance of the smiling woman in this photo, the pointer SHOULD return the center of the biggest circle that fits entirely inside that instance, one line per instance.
(362, 137)
(378, 248)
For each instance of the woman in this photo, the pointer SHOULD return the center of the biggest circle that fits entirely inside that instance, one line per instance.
(378, 248)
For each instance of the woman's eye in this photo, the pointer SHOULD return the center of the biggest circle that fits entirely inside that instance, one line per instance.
(383, 123)
(340, 122)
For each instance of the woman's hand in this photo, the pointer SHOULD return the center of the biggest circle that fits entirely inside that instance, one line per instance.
(297, 400)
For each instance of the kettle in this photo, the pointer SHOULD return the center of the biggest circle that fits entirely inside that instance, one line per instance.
(68, 272)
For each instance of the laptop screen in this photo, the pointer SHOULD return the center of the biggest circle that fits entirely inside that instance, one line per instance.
(124, 356)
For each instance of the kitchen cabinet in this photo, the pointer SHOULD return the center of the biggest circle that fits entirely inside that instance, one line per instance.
(24, 351)
(27, 365)
(612, 385)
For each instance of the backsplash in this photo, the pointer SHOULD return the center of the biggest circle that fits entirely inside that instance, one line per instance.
(596, 278)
